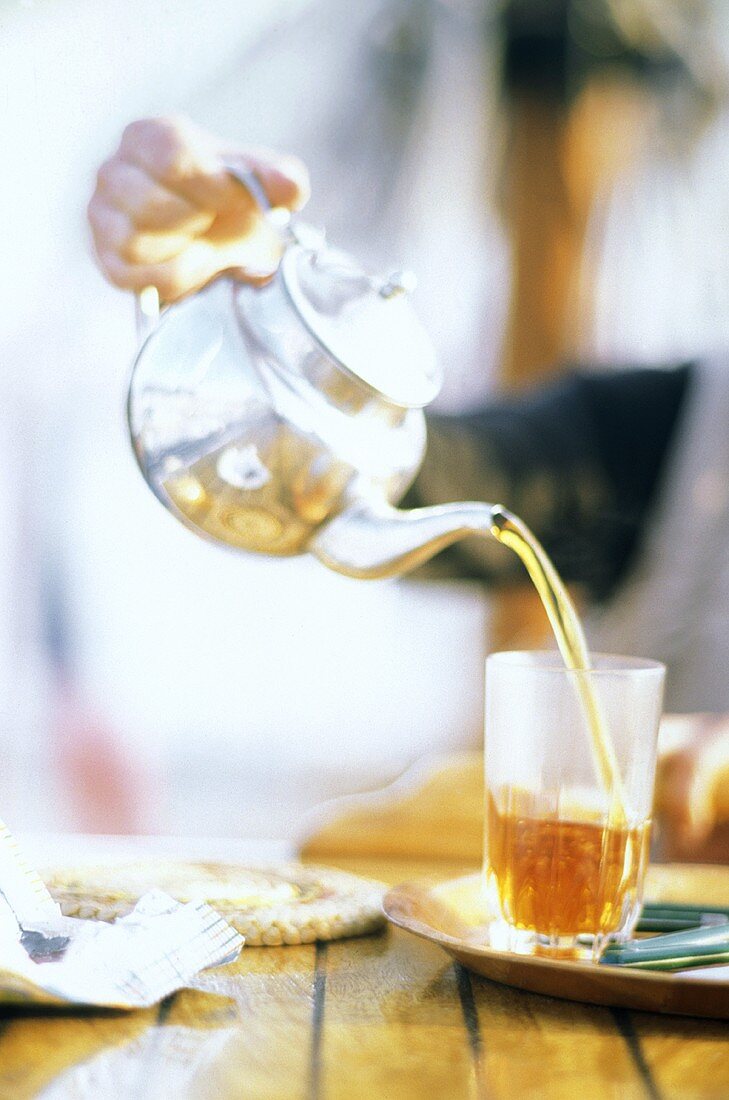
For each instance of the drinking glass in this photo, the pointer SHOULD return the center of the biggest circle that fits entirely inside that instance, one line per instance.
(570, 758)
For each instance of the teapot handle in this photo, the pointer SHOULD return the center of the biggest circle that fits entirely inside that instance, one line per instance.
(147, 306)
(252, 184)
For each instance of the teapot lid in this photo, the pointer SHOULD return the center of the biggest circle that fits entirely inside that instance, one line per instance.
(365, 323)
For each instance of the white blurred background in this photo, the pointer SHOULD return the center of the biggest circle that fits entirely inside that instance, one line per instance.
(149, 681)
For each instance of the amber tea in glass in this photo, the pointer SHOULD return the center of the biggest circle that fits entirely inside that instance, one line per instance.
(565, 858)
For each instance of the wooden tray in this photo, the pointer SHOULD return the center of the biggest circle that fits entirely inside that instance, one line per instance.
(451, 915)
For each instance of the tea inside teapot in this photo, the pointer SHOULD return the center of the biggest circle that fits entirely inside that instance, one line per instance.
(252, 444)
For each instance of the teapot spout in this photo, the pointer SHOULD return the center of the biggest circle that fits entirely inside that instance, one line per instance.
(371, 541)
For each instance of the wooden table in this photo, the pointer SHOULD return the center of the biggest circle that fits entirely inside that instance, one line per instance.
(377, 1017)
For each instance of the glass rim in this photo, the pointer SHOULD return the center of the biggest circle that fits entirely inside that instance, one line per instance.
(551, 661)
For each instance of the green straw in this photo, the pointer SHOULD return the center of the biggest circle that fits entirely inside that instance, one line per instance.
(686, 907)
(676, 951)
(669, 917)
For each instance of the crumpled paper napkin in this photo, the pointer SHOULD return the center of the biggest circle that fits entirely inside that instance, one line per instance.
(138, 960)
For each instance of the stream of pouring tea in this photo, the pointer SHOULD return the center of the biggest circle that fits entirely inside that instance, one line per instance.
(564, 620)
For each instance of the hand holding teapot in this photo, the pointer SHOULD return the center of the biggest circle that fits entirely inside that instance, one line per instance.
(166, 213)
(279, 408)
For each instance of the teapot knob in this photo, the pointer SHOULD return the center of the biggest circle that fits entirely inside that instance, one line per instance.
(399, 282)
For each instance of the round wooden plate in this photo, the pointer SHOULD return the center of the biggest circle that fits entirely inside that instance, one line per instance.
(451, 914)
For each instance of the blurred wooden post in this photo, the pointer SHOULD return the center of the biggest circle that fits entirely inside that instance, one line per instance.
(558, 160)
(543, 241)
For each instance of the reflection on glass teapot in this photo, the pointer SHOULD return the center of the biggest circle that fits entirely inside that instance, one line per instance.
(287, 418)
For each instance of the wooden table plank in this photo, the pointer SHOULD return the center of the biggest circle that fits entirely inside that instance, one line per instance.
(687, 1058)
(269, 1037)
(35, 1050)
(382, 1016)
(393, 1023)
(245, 1031)
(547, 1049)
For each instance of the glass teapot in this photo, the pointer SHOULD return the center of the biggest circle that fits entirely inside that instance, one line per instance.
(287, 418)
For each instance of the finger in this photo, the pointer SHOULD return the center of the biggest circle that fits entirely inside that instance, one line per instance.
(110, 227)
(252, 261)
(187, 271)
(184, 160)
(147, 203)
(113, 231)
(187, 161)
